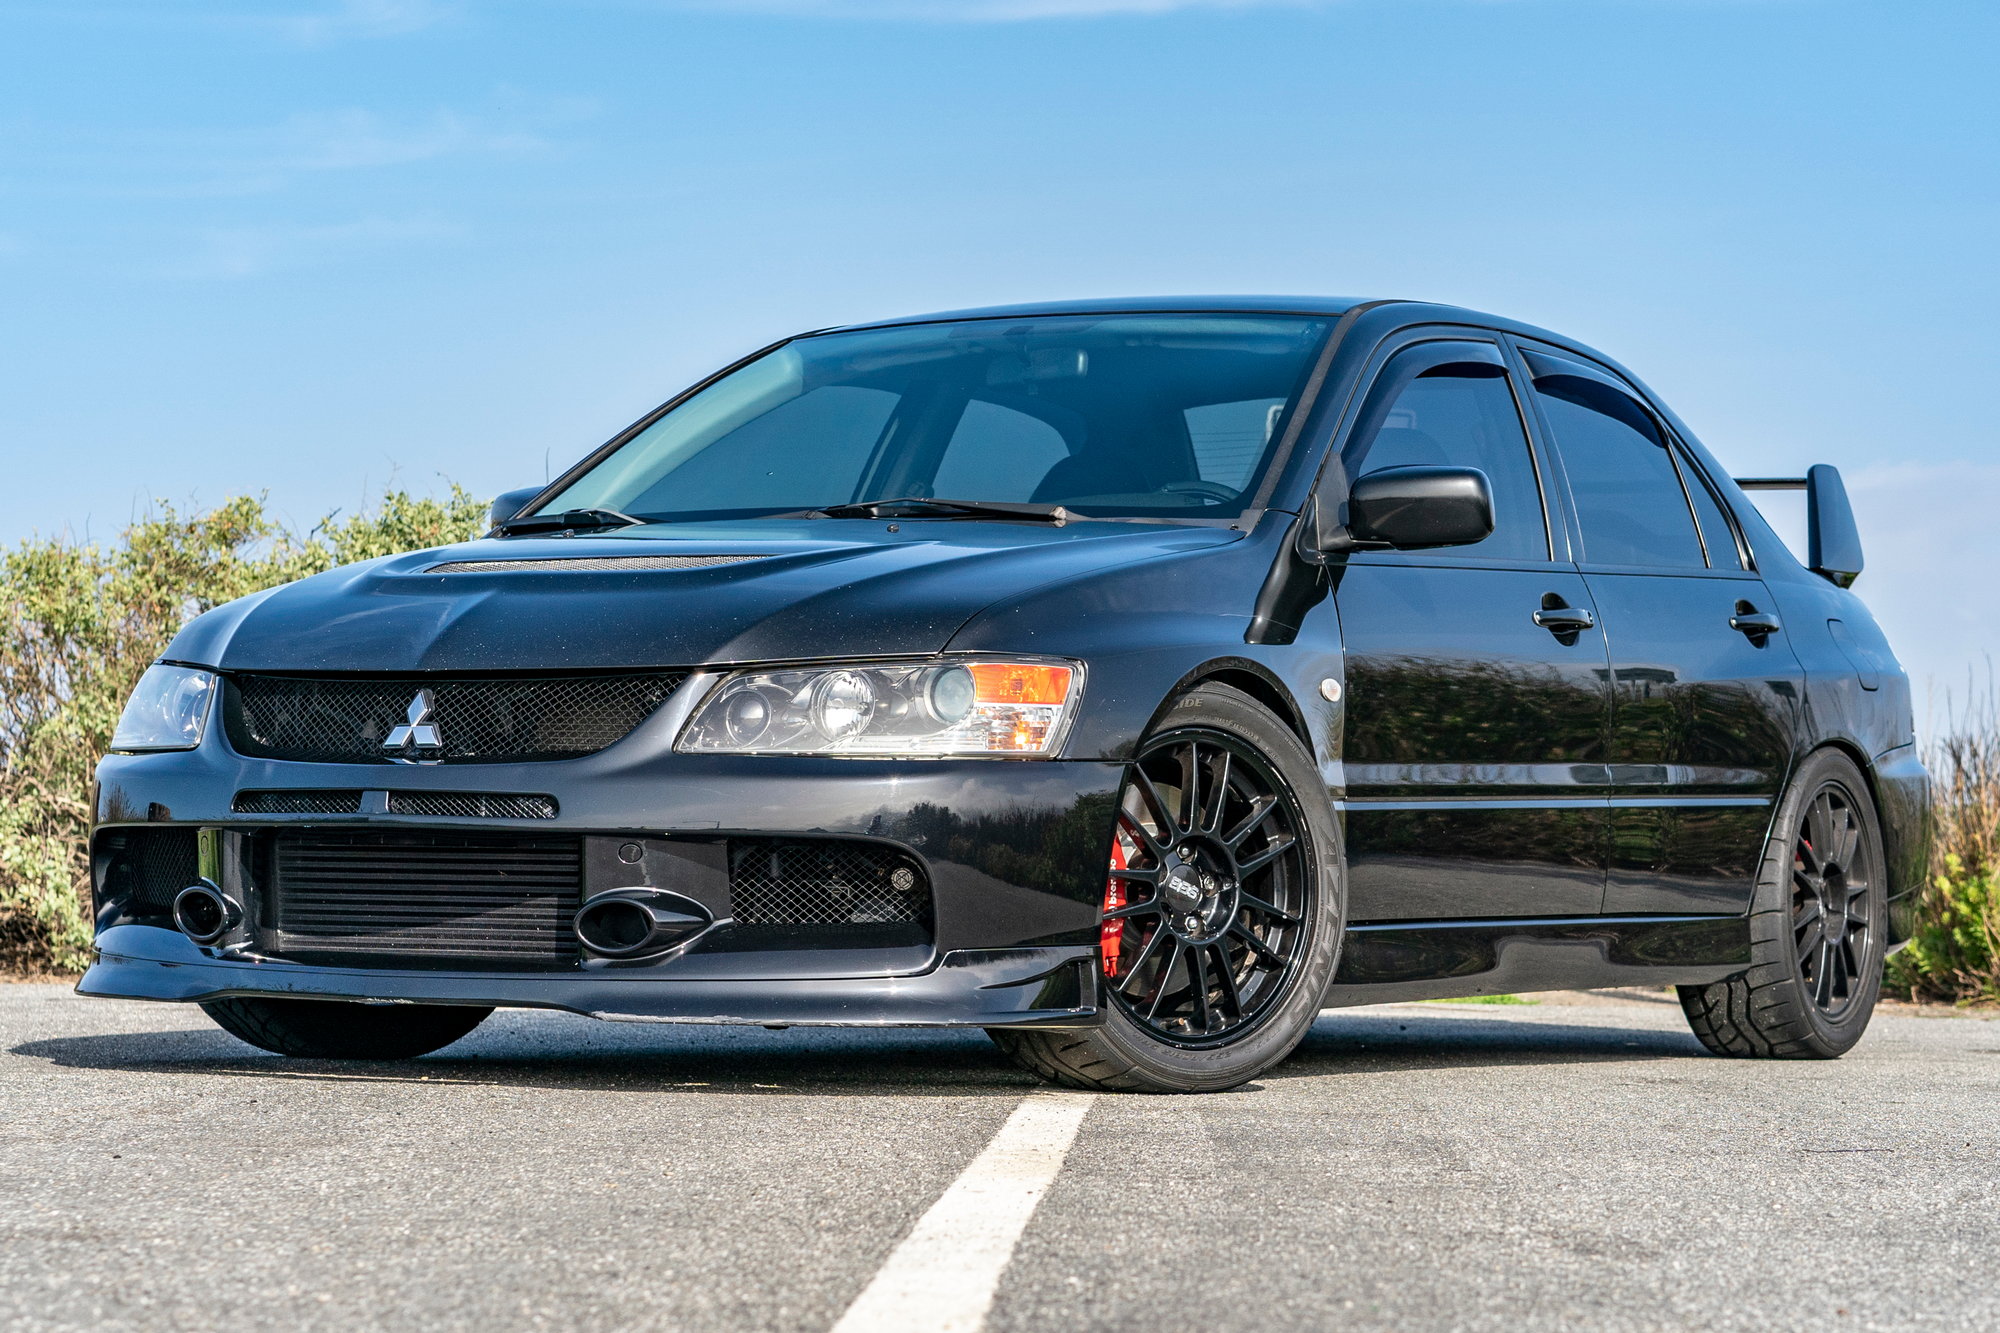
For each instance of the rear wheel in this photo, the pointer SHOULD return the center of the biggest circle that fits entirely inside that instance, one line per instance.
(1816, 926)
(1222, 909)
(341, 1030)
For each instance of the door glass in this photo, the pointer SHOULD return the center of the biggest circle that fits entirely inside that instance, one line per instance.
(1716, 534)
(1464, 422)
(1628, 494)
(997, 453)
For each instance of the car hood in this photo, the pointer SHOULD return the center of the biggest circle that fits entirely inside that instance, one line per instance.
(809, 588)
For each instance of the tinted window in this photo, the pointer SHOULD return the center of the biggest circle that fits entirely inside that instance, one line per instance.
(1716, 533)
(791, 457)
(997, 454)
(1446, 419)
(1229, 438)
(1156, 415)
(1628, 494)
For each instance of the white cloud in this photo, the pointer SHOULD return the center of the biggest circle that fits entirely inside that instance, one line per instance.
(264, 159)
(359, 19)
(253, 251)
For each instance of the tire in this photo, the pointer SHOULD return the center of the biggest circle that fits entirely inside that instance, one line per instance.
(1810, 991)
(1224, 914)
(341, 1030)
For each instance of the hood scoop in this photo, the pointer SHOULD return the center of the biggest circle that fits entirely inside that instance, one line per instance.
(590, 564)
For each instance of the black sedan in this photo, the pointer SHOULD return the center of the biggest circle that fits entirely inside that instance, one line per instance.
(1129, 679)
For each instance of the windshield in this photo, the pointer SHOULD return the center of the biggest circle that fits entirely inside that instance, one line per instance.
(1117, 416)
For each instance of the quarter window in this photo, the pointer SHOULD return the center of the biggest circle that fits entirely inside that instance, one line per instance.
(1716, 534)
(1628, 493)
(1451, 420)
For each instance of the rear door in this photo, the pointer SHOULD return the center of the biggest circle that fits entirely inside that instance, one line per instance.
(1476, 679)
(1704, 686)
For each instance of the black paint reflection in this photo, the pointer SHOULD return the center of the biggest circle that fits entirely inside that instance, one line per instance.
(1474, 744)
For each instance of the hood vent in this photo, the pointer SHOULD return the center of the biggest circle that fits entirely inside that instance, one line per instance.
(591, 564)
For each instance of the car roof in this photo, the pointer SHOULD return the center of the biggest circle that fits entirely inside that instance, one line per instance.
(1412, 311)
(1135, 305)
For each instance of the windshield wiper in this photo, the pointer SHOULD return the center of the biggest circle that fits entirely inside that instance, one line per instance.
(570, 520)
(924, 506)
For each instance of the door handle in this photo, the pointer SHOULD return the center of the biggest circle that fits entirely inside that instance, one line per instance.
(1757, 624)
(1561, 620)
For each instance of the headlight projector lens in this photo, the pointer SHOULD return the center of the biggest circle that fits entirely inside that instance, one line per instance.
(842, 704)
(951, 695)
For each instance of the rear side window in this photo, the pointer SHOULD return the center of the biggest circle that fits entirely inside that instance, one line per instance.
(1716, 534)
(1628, 492)
(1456, 421)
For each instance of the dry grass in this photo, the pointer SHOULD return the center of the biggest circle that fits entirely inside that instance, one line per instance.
(1955, 955)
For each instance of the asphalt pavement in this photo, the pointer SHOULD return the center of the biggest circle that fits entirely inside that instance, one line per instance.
(1576, 1163)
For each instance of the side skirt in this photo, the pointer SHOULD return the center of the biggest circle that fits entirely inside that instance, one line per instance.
(1404, 960)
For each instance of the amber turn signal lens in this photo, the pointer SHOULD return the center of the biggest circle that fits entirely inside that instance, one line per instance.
(1020, 683)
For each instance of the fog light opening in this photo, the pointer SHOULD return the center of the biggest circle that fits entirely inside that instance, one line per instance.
(203, 915)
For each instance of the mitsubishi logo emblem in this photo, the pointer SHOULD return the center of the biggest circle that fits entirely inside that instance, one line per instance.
(417, 739)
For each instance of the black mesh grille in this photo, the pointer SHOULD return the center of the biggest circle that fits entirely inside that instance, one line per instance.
(301, 802)
(409, 896)
(148, 866)
(472, 805)
(821, 881)
(343, 720)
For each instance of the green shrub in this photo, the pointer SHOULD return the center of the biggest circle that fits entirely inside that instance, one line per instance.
(79, 622)
(1954, 954)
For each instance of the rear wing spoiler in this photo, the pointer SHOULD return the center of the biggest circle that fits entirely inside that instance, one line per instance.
(1833, 542)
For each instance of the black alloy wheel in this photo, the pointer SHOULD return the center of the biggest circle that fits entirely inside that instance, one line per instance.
(1818, 922)
(1208, 858)
(1222, 909)
(1833, 910)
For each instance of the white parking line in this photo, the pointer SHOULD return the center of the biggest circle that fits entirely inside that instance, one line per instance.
(943, 1276)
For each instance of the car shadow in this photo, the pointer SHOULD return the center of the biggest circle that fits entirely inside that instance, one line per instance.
(1363, 1041)
(519, 1049)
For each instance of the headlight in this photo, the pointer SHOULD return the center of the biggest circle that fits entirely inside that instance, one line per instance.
(168, 711)
(998, 708)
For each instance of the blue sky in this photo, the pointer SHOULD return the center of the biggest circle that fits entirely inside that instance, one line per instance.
(310, 248)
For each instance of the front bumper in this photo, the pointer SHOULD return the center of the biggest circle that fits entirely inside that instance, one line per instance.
(1012, 850)
(1054, 987)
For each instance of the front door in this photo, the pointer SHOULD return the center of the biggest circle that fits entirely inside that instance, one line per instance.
(1705, 687)
(1476, 677)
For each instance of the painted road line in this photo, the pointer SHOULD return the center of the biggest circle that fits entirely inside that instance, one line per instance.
(943, 1276)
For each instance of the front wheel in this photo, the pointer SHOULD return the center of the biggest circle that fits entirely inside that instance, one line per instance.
(341, 1029)
(1222, 910)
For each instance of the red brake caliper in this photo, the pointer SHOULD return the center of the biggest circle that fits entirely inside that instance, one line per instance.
(1111, 935)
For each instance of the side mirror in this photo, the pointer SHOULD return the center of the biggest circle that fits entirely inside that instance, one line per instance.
(1414, 508)
(509, 504)
(1833, 542)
